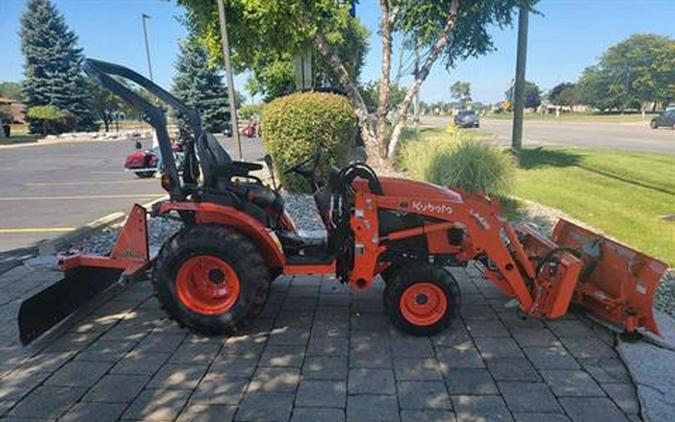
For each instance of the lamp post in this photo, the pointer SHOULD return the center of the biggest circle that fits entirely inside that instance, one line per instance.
(144, 18)
(230, 77)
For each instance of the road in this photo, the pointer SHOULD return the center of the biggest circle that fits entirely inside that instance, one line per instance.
(51, 189)
(623, 136)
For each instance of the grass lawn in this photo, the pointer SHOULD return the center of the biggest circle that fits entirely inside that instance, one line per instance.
(578, 117)
(624, 194)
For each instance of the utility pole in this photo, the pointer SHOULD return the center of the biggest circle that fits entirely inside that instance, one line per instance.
(518, 96)
(145, 17)
(230, 79)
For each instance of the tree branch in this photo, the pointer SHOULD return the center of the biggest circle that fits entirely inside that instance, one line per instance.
(420, 77)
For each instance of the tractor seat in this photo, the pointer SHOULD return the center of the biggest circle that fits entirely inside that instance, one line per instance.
(217, 165)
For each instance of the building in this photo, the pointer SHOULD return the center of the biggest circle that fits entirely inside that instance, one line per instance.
(16, 108)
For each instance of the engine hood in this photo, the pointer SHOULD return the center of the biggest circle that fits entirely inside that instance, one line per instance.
(419, 190)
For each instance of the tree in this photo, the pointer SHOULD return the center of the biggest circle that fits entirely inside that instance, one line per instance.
(635, 71)
(371, 95)
(11, 90)
(106, 105)
(200, 86)
(52, 67)
(49, 117)
(532, 95)
(556, 90)
(461, 91)
(442, 29)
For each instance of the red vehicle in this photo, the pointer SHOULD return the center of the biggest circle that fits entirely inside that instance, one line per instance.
(215, 274)
(144, 162)
(250, 130)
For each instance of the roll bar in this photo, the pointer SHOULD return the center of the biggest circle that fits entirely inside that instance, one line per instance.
(155, 116)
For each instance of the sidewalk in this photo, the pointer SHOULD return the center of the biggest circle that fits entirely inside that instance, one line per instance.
(317, 352)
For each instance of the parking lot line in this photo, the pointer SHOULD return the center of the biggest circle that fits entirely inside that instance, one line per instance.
(79, 197)
(102, 182)
(38, 230)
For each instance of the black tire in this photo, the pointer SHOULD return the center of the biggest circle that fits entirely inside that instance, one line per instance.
(228, 245)
(653, 124)
(145, 174)
(409, 276)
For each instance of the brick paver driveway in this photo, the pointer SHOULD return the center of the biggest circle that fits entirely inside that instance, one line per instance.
(322, 353)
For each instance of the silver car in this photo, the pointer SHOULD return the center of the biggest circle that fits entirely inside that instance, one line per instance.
(467, 118)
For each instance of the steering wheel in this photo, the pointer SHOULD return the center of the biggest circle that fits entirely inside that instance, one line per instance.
(300, 167)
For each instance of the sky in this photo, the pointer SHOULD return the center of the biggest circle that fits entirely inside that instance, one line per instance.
(566, 37)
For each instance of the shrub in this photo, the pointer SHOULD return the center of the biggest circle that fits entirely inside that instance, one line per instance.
(297, 126)
(50, 116)
(471, 165)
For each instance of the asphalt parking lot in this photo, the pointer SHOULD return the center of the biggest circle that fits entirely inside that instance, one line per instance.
(50, 189)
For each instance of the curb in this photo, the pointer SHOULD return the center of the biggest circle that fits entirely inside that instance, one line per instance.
(52, 246)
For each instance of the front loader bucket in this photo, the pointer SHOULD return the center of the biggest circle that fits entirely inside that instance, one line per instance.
(86, 277)
(617, 283)
(47, 308)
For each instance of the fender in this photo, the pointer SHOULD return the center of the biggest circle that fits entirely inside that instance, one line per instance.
(207, 212)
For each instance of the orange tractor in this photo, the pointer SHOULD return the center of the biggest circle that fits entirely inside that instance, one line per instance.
(216, 273)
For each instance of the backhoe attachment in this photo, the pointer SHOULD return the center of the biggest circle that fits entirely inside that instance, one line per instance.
(86, 277)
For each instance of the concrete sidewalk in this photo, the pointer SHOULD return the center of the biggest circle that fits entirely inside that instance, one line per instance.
(318, 352)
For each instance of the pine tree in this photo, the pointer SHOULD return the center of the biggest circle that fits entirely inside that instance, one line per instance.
(52, 67)
(200, 86)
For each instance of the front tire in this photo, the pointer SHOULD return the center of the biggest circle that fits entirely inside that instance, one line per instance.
(211, 279)
(422, 299)
(653, 124)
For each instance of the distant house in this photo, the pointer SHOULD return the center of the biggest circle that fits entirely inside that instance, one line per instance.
(16, 108)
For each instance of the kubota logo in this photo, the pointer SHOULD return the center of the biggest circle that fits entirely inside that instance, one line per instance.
(426, 207)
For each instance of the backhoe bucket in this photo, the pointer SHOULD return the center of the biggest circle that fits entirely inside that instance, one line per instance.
(86, 277)
(617, 283)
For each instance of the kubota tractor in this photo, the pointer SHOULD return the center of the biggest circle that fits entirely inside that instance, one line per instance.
(215, 274)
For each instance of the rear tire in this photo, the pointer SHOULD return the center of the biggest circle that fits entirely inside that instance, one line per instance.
(422, 299)
(211, 279)
(653, 124)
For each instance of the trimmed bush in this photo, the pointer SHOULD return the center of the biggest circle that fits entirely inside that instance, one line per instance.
(471, 165)
(296, 126)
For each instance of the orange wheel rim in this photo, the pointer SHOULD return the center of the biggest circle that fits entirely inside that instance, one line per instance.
(423, 304)
(207, 285)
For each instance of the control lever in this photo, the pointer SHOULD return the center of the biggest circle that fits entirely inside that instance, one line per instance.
(270, 166)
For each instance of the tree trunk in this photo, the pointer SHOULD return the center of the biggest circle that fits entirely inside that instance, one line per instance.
(420, 77)
(44, 128)
(385, 82)
(106, 123)
(369, 138)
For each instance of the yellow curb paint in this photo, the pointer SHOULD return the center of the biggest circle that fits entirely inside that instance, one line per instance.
(39, 230)
(80, 197)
